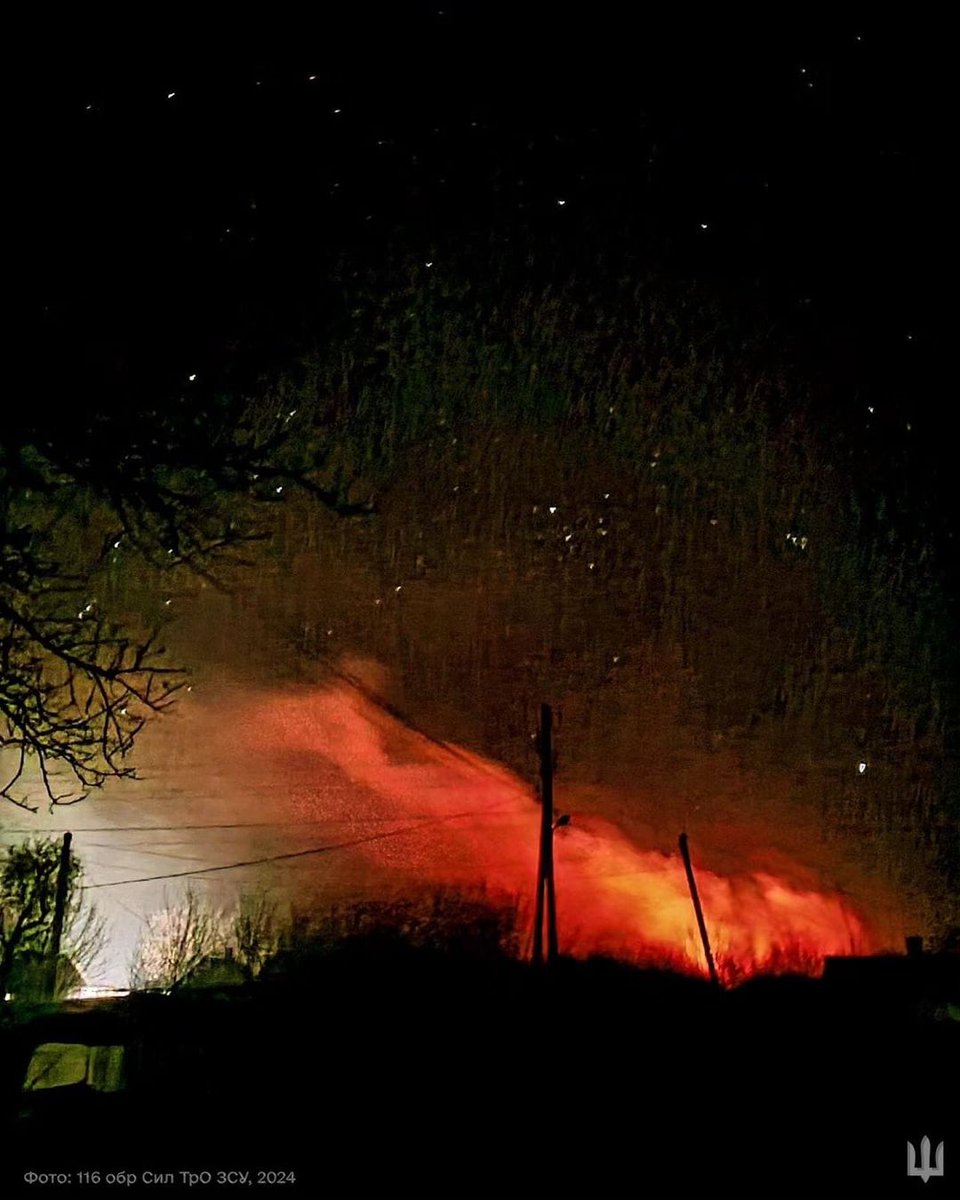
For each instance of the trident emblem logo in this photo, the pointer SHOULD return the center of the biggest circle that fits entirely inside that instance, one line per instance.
(924, 1170)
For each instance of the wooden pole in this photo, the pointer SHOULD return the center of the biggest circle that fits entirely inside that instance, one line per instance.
(546, 768)
(695, 896)
(59, 910)
(545, 887)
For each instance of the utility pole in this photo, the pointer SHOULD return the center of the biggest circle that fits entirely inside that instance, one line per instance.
(695, 896)
(59, 909)
(546, 894)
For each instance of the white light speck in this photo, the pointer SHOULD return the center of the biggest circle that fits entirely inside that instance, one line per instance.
(704, 225)
(870, 409)
(606, 495)
(428, 264)
(170, 95)
(191, 378)
(561, 203)
(616, 658)
(312, 78)
(329, 633)
(861, 767)
(167, 603)
(292, 412)
(713, 520)
(553, 509)
(569, 537)
(337, 110)
(399, 587)
(279, 489)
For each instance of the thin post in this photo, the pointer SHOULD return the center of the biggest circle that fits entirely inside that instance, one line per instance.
(546, 771)
(545, 886)
(59, 910)
(695, 896)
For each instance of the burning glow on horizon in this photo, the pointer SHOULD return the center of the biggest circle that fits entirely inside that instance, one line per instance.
(463, 820)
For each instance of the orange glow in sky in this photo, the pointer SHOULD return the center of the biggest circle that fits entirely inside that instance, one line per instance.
(463, 820)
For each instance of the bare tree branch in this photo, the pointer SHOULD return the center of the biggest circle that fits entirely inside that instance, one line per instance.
(179, 489)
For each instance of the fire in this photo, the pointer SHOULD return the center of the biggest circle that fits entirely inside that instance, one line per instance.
(452, 817)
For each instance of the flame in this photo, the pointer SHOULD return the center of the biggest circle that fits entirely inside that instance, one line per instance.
(453, 817)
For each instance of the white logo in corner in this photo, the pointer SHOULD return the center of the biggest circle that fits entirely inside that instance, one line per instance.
(925, 1171)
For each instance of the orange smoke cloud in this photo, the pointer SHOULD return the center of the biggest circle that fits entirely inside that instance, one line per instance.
(458, 818)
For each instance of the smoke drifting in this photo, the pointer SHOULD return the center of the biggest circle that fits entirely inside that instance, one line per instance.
(321, 793)
(471, 822)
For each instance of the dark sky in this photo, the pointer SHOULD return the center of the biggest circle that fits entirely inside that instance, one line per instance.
(186, 183)
(189, 191)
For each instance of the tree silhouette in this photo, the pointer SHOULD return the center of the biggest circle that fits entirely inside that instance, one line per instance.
(175, 941)
(28, 886)
(173, 486)
(180, 938)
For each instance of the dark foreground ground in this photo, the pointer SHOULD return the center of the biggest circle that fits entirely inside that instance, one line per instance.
(398, 1073)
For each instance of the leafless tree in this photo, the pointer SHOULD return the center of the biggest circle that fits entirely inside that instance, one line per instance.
(175, 941)
(179, 938)
(176, 489)
(254, 932)
(75, 690)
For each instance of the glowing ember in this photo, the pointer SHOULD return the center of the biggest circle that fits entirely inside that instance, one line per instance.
(461, 819)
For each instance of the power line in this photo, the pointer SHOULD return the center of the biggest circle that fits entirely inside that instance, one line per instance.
(425, 817)
(136, 849)
(291, 854)
(126, 908)
(473, 761)
(179, 828)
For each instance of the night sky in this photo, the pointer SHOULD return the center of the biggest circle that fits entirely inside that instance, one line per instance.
(609, 346)
(199, 201)
(186, 189)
